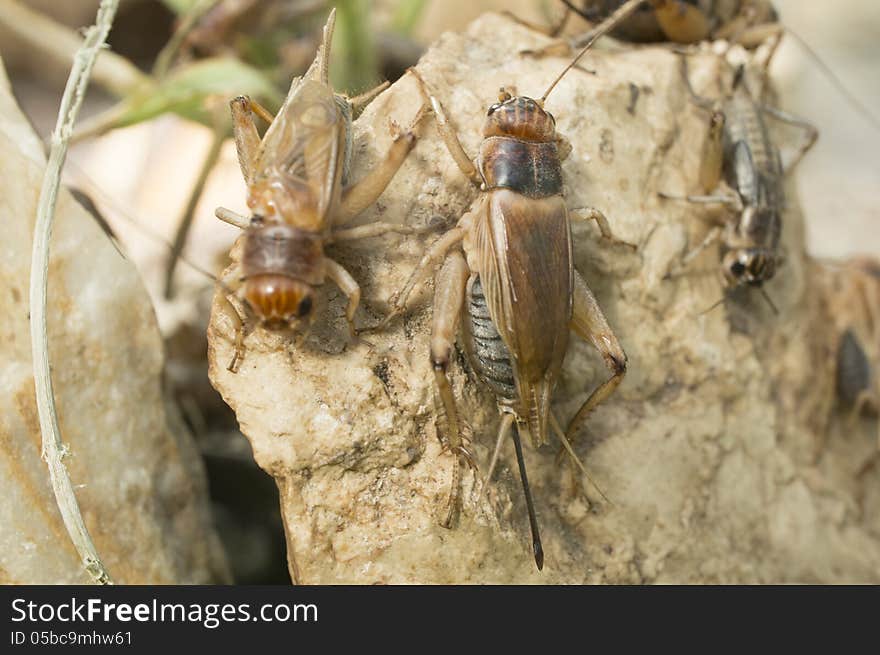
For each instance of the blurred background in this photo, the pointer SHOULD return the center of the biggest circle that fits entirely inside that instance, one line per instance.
(153, 153)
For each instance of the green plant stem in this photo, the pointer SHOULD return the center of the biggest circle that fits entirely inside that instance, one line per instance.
(54, 449)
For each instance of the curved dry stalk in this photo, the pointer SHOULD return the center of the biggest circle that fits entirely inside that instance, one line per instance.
(53, 448)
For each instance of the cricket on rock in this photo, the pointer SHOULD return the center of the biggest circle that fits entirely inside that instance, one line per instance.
(301, 200)
(507, 278)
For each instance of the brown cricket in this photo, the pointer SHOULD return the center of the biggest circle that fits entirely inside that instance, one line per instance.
(508, 277)
(301, 199)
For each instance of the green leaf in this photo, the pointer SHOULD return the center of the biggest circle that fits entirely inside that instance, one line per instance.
(180, 7)
(187, 90)
(406, 16)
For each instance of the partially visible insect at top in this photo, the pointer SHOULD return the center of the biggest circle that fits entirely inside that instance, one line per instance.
(747, 22)
(300, 198)
(740, 151)
(508, 273)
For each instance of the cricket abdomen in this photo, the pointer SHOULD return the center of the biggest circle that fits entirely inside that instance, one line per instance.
(489, 356)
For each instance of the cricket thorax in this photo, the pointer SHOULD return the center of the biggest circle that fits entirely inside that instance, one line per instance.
(530, 168)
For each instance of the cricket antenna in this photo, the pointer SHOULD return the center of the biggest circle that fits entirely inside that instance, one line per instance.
(622, 13)
(835, 81)
(713, 305)
(537, 549)
(769, 300)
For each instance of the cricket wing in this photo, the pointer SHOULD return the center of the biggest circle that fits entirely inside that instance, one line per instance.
(304, 148)
(526, 271)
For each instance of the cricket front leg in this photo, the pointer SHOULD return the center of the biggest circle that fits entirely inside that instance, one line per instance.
(448, 134)
(242, 325)
(448, 300)
(347, 284)
(711, 237)
(589, 323)
(435, 254)
(593, 214)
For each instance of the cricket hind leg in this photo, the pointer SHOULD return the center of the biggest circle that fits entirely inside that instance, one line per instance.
(589, 323)
(244, 130)
(449, 295)
(363, 193)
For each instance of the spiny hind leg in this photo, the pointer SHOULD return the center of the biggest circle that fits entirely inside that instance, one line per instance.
(811, 133)
(363, 193)
(449, 294)
(447, 132)
(244, 129)
(589, 323)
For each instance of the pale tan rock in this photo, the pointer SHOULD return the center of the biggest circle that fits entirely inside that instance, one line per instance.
(138, 478)
(704, 450)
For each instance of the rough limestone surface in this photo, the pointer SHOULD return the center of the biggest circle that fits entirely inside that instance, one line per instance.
(137, 476)
(708, 451)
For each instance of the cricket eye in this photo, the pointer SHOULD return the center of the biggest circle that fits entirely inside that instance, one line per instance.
(304, 307)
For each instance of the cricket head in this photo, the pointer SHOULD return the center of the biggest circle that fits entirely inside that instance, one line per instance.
(748, 266)
(519, 117)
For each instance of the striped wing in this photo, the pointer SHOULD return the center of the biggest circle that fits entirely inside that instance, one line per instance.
(304, 148)
(524, 255)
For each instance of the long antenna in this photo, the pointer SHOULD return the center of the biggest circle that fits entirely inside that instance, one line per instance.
(537, 548)
(836, 82)
(769, 300)
(621, 14)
